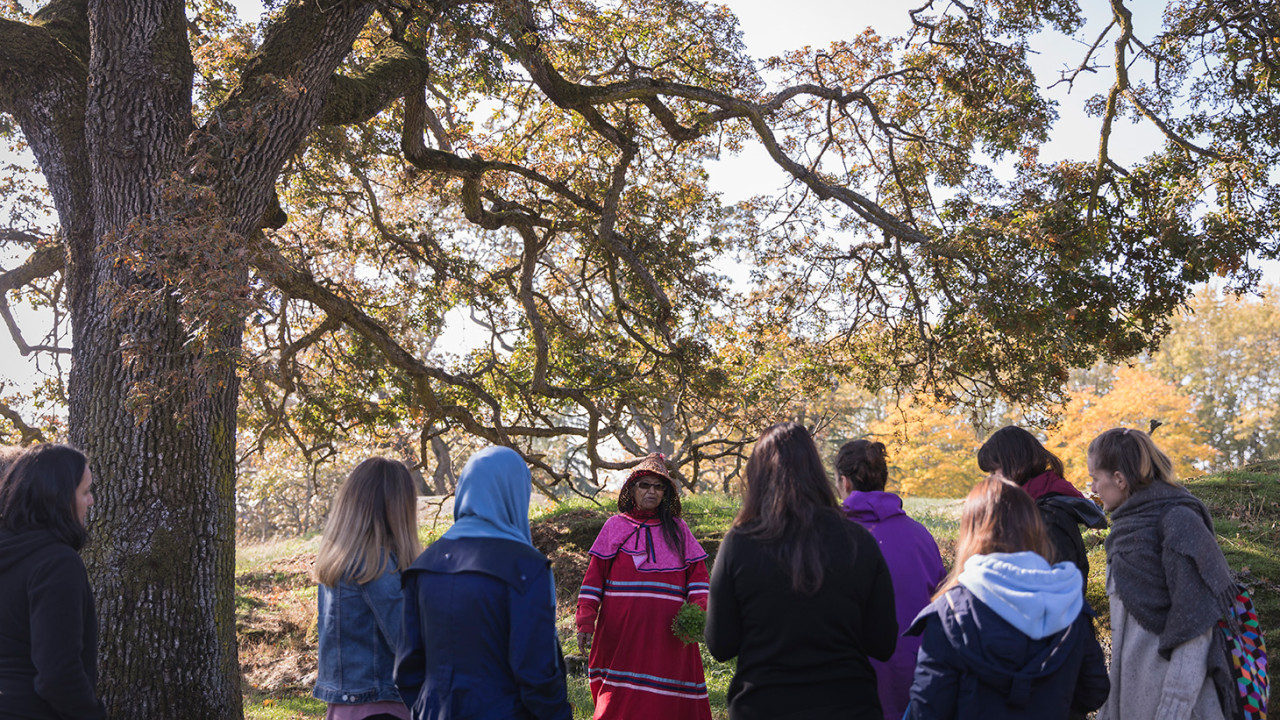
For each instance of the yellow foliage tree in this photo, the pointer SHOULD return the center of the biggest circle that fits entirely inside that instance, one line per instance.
(1221, 352)
(932, 450)
(1135, 399)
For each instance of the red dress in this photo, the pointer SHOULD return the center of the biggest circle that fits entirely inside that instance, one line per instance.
(638, 668)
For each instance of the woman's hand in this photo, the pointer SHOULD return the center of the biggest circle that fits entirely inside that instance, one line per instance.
(584, 642)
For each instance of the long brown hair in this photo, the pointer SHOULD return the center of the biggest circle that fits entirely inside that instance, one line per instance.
(1017, 454)
(38, 490)
(998, 517)
(374, 518)
(787, 491)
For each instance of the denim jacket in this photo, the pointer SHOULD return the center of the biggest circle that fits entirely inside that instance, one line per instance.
(359, 626)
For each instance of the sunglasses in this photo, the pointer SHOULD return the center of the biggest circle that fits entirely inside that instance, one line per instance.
(651, 486)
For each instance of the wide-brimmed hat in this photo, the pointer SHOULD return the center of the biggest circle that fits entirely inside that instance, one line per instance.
(655, 464)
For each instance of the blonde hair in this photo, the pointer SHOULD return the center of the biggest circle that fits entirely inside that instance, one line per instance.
(998, 517)
(374, 518)
(1132, 453)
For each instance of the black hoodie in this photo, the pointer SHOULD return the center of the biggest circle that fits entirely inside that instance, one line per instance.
(48, 630)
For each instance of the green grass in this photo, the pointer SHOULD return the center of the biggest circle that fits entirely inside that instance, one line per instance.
(253, 557)
(274, 594)
(1245, 505)
(266, 706)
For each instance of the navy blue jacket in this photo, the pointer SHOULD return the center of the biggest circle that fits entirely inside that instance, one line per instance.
(479, 639)
(974, 664)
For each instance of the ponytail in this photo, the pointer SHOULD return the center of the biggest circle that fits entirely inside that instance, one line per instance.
(1132, 453)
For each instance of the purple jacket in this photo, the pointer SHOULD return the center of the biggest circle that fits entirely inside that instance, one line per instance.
(916, 569)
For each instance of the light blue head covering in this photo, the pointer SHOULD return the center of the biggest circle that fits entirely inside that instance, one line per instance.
(493, 497)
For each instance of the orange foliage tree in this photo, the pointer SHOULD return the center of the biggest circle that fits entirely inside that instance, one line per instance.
(1133, 398)
(932, 449)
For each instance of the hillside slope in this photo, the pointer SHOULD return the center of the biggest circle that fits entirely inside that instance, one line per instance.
(276, 600)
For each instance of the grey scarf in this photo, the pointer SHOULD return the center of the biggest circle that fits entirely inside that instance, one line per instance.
(1171, 574)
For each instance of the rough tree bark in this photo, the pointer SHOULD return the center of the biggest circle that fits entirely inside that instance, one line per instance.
(102, 91)
(161, 218)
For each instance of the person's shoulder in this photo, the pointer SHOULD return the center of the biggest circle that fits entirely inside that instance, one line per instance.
(1190, 509)
(58, 564)
(836, 525)
(737, 543)
(618, 520)
(906, 523)
(1190, 516)
(481, 555)
(939, 610)
(57, 553)
(1187, 527)
(390, 577)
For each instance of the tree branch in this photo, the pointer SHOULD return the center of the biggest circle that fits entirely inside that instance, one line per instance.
(583, 99)
(399, 72)
(280, 99)
(43, 83)
(42, 263)
(13, 236)
(29, 434)
(300, 284)
(1124, 17)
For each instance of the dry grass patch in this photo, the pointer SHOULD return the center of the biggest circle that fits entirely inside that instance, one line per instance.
(276, 626)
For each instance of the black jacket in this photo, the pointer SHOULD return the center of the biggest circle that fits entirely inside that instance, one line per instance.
(48, 631)
(1062, 516)
(974, 664)
(803, 656)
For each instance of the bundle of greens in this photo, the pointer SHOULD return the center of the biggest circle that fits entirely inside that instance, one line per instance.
(689, 623)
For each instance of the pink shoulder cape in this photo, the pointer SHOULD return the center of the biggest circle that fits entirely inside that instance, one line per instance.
(643, 540)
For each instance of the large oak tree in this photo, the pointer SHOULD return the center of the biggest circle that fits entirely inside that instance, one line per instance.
(294, 211)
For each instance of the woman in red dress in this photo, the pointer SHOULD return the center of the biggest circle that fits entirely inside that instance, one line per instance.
(645, 564)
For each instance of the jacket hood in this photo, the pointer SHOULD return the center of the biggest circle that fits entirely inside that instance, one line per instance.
(1022, 588)
(1085, 511)
(872, 506)
(510, 561)
(16, 547)
(1050, 482)
(1004, 658)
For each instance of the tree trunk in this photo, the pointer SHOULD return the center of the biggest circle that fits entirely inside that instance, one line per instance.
(162, 554)
(147, 203)
(155, 415)
(442, 478)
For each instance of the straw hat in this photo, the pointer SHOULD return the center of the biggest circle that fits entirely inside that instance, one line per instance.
(655, 464)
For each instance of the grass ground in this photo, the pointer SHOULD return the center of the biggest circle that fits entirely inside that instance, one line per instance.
(276, 600)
